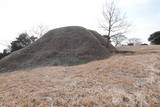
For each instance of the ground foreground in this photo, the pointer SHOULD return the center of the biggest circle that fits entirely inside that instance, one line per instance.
(123, 80)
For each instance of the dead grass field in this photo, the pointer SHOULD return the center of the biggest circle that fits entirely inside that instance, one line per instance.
(123, 80)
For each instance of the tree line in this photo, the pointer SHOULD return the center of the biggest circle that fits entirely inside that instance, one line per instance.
(24, 39)
(21, 41)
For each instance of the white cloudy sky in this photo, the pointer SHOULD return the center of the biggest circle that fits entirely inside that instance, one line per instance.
(17, 16)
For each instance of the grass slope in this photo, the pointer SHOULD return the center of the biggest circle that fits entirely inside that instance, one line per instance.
(123, 80)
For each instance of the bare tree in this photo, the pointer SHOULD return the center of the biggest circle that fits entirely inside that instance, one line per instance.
(118, 39)
(4, 43)
(114, 22)
(39, 30)
(134, 41)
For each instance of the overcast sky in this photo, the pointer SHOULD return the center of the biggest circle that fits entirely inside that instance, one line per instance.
(18, 16)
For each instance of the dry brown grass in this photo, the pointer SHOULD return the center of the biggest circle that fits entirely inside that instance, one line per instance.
(120, 81)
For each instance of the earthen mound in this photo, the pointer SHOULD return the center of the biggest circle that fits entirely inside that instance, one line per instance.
(62, 46)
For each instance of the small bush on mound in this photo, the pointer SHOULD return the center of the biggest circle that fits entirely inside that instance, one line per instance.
(62, 46)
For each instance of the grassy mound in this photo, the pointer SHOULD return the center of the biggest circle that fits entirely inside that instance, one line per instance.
(62, 46)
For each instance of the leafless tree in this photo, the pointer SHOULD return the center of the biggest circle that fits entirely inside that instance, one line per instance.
(4, 43)
(39, 30)
(114, 23)
(118, 39)
(134, 41)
